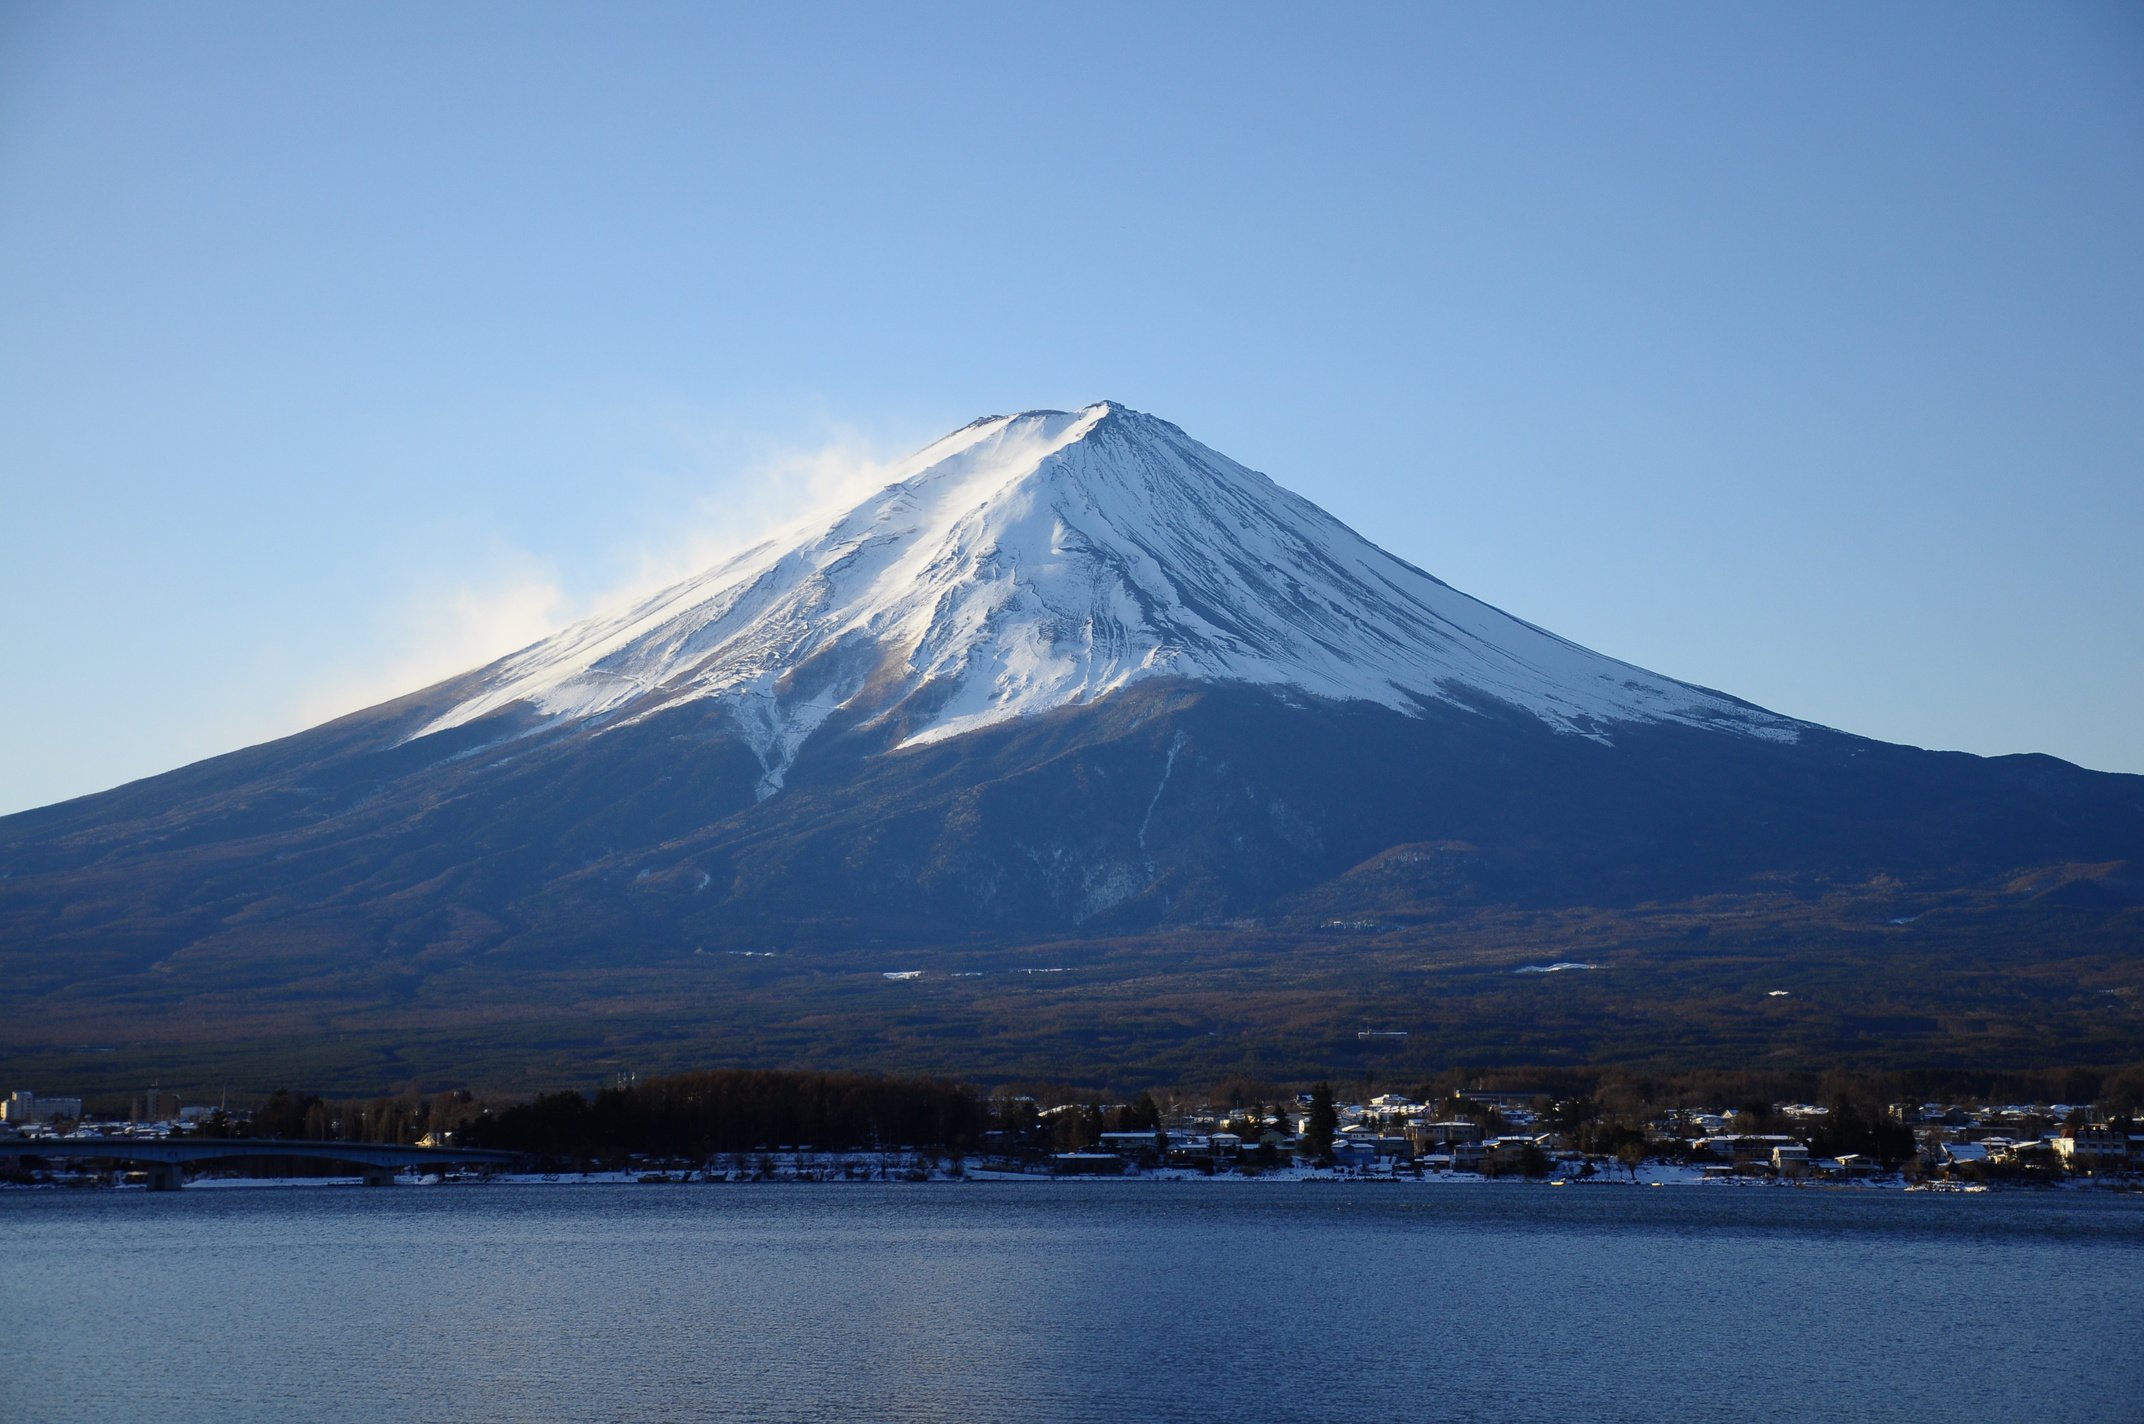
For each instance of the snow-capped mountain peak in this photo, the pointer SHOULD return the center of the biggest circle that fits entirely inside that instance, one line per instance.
(1027, 562)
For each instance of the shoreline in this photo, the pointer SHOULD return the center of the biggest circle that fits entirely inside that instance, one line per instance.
(839, 1174)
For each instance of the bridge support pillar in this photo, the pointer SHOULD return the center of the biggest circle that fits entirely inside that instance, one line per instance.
(166, 1176)
(379, 1176)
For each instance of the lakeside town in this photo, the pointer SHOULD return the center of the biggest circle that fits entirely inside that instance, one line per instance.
(1470, 1135)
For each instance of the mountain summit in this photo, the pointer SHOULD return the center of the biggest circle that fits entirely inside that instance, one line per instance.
(1029, 562)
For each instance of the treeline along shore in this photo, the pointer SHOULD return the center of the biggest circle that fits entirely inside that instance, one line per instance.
(696, 1115)
(1509, 1120)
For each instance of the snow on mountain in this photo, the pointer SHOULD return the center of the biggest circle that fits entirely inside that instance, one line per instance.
(1031, 561)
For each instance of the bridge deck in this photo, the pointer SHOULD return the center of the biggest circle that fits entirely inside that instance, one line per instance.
(174, 1152)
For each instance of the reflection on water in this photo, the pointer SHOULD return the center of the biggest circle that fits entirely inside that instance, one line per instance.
(1071, 1301)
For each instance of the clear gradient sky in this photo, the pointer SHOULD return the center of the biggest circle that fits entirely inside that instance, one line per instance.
(1796, 351)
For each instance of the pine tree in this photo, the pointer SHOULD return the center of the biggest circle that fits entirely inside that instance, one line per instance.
(1323, 1122)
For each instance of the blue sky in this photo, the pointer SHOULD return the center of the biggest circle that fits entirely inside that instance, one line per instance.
(1794, 351)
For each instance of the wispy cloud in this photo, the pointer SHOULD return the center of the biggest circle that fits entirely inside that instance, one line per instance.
(776, 493)
(437, 629)
(451, 623)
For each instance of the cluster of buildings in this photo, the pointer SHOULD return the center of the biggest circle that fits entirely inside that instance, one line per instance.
(1386, 1136)
(154, 1114)
(1512, 1133)
(25, 1108)
(2035, 1138)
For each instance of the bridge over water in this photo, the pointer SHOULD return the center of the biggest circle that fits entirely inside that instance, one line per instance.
(166, 1158)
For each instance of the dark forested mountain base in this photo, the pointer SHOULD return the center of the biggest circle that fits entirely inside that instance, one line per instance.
(1993, 981)
(1173, 882)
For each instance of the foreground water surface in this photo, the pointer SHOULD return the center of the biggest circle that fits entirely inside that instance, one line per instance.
(1075, 1301)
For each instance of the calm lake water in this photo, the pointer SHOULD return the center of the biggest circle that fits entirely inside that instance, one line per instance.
(1074, 1301)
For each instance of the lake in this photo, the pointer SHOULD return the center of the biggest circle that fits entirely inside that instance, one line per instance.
(1069, 1301)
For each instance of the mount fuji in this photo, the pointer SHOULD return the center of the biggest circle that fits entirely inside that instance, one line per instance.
(1076, 688)
(1030, 562)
